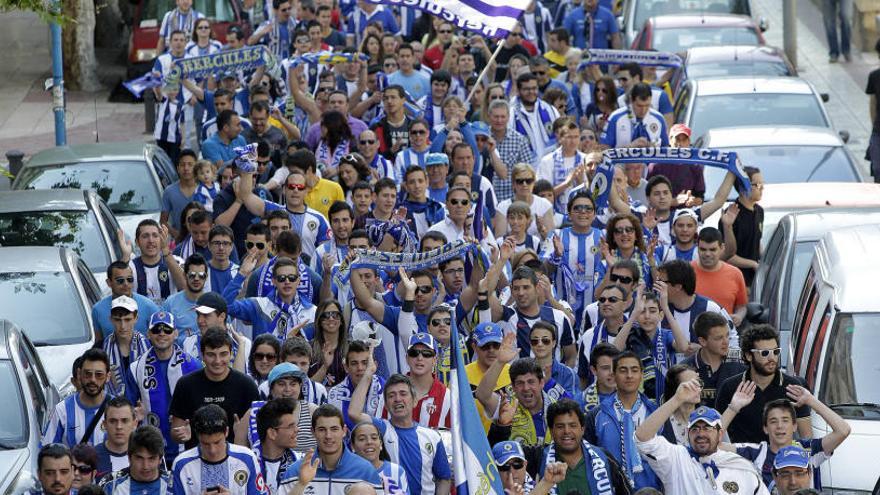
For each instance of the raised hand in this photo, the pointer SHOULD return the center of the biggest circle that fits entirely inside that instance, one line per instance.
(744, 395)
(554, 472)
(327, 263)
(328, 352)
(689, 392)
(558, 247)
(409, 285)
(248, 264)
(649, 219)
(125, 245)
(605, 251)
(506, 410)
(799, 395)
(508, 351)
(730, 214)
(295, 331)
(309, 467)
(507, 249)
(663, 291)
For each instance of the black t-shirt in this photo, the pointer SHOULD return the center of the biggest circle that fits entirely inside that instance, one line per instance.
(234, 394)
(712, 379)
(243, 219)
(503, 60)
(874, 89)
(747, 427)
(748, 229)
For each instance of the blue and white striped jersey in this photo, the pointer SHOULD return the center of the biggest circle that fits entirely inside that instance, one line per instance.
(122, 484)
(311, 226)
(419, 451)
(350, 469)
(239, 473)
(68, 423)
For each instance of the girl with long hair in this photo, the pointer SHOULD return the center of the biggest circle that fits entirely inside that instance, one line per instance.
(329, 344)
(336, 142)
(265, 354)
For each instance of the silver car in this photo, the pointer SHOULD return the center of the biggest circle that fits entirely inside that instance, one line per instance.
(49, 293)
(28, 400)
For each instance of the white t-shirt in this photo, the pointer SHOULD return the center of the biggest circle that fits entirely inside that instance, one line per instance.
(540, 207)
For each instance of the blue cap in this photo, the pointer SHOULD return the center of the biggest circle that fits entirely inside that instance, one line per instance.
(792, 456)
(487, 332)
(426, 339)
(436, 159)
(161, 318)
(705, 414)
(286, 370)
(507, 450)
(480, 129)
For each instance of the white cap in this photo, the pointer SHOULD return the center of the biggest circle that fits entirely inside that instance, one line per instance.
(124, 302)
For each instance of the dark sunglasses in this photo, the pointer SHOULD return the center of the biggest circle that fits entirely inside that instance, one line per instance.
(445, 31)
(622, 279)
(83, 468)
(491, 345)
(612, 299)
(424, 289)
(418, 132)
(624, 230)
(437, 321)
(365, 142)
(766, 352)
(158, 329)
(457, 202)
(331, 315)
(259, 356)
(298, 187)
(123, 280)
(582, 208)
(260, 245)
(539, 73)
(524, 182)
(287, 278)
(195, 275)
(511, 465)
(425, 353)
(203, 27)
(542, 340)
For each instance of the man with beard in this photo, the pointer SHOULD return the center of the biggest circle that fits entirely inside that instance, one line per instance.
(120, 280)
(75, 419)
(145, 474)
(54, 470)
(531, 116)
(760, 350)
(701, 467)
(195, 269)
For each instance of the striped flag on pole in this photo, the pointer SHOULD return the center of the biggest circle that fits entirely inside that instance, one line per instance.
(473, 466)
(490, 18)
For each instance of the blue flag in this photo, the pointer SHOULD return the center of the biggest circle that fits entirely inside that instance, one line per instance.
(139, 85)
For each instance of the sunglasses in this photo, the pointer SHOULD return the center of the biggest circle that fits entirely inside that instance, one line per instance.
(331, 315)
(524, 182)
(539, 73)
(496, 97)
(582, 209)
(287, 278)
(424, 289)
(491, 345)
(159, 329)
(624, 230)
(250, 245)
(459, 202)
(622, 279)
(766, 352)
(425, 353)
(298, 187)
(83, 468)
(123, 280)
(194, 275)
(588, 137)
(201, 28)
(437, 321)
(259, 356)
(418, 132)
(511, 465)
(365, 142)
(600, 89)
(518, 35)
(612, 299)
(445, 31)
(542, 340)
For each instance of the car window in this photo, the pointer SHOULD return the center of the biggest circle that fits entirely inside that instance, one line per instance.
(816, 348)
(77, 230)
(112, 227)
(732, 110)
(771, 260)
(38, 398)
(216, 10)
(93, 293)
(651, 8)
(681, 104)
(13, 427)
(27, 297)
(800, 265)
(681, 39)
(850, 371)
(127, 187)
(739, 68)
(808, 306)
(164, 168)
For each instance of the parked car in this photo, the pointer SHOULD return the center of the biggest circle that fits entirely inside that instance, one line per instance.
(28, 400)
(678, 33)
(72, 218)
(635, 12)
(785, 154)
(713, 103)
(834, 342)
(49, 293)
(731, 60)
(129, 177)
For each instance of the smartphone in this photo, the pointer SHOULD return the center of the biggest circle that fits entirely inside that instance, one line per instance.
(215, 488)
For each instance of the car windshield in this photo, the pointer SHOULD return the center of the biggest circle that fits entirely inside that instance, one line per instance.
(851, 365)
(126, 187)
(780, 164)
(27, 297)
(77, 230)
(738, 68)
(732, 110)
(800, 265)
(652, 8)
(680, 39)
(216, 10)
(13, 426)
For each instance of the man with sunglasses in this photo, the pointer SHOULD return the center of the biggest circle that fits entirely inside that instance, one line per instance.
(760, 350)
(613, 302)
(368, 146)
(511, 462)
(73, 417)
(486, 342)
(511, 46)
(120, 280)
(276, 32)
(433, 401)
(156, 374)
(181, 304)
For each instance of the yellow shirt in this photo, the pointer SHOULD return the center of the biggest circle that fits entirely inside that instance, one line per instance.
(557, 63)
(475, 374)
(323, 195)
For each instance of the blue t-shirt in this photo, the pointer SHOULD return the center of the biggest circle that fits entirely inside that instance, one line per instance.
(604, 25)
(416, 84)
(101, 314)
(184, 315)
(214, 149)
(173, 202)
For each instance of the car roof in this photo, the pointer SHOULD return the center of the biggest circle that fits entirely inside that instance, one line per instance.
(811, 225)
(812, 195)
(850, 265)
(701, 21)
(770, 135)
(708, 54)
(34, 259)
(132, 150)
(43, 200)
(710, 86)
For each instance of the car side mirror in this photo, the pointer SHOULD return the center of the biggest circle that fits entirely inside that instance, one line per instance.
(757, 313)
(844, 136)
(763, 24)
(825, 97)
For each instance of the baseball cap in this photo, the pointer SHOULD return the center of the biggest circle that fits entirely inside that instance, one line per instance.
(161, 318)
(124, 302)
(705, 414)
(677, 129)
(436, 159)
(480, 129)
(228, 75)
(487, 332)
(426, 339)
(210, 302)
(507, 450)
(286, 370)
(792, 456)
(685, 212)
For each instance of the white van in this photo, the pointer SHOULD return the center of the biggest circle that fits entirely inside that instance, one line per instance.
(834, 342)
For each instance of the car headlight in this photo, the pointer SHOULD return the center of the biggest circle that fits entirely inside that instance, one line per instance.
(145, 54)
(24, 483)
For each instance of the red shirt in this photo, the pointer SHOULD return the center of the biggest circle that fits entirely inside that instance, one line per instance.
(433, 57)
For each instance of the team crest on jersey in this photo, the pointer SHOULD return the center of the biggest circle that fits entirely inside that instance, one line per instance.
(261, 484)
(730, 487)
(152, 419)
(240, 477)
(429, 448)
(282, 324)
(163, 275)
(654, 127)
(594, 249)
(313, 225)
(475, 195)
(326, 201)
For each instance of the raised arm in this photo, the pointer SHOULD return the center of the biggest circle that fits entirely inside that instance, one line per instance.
(251, 201)
(359, 396)
(840, 429)
(485, 392)
(688, 392)
(721, 195)
(682, 342)
(177, 275)
(364, 296)
(299, 97)
(744, 395)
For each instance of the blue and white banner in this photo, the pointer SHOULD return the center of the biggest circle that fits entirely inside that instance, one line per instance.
(138, 85)
(598, 56)
(242, 59)
(473, 466)
(379, 260)
(489, 18)
(328, 58)
(604, 178)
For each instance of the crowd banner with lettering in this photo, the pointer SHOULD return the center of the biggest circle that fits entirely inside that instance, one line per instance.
(602, 181)
(597, 56)
(489, 18)
(328, 58)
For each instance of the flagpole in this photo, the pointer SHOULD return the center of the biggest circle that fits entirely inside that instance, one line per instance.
(485, 69)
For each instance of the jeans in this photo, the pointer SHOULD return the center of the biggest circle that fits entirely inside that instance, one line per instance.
(832, 10)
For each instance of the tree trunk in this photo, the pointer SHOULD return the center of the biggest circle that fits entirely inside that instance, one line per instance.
(78, 43)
